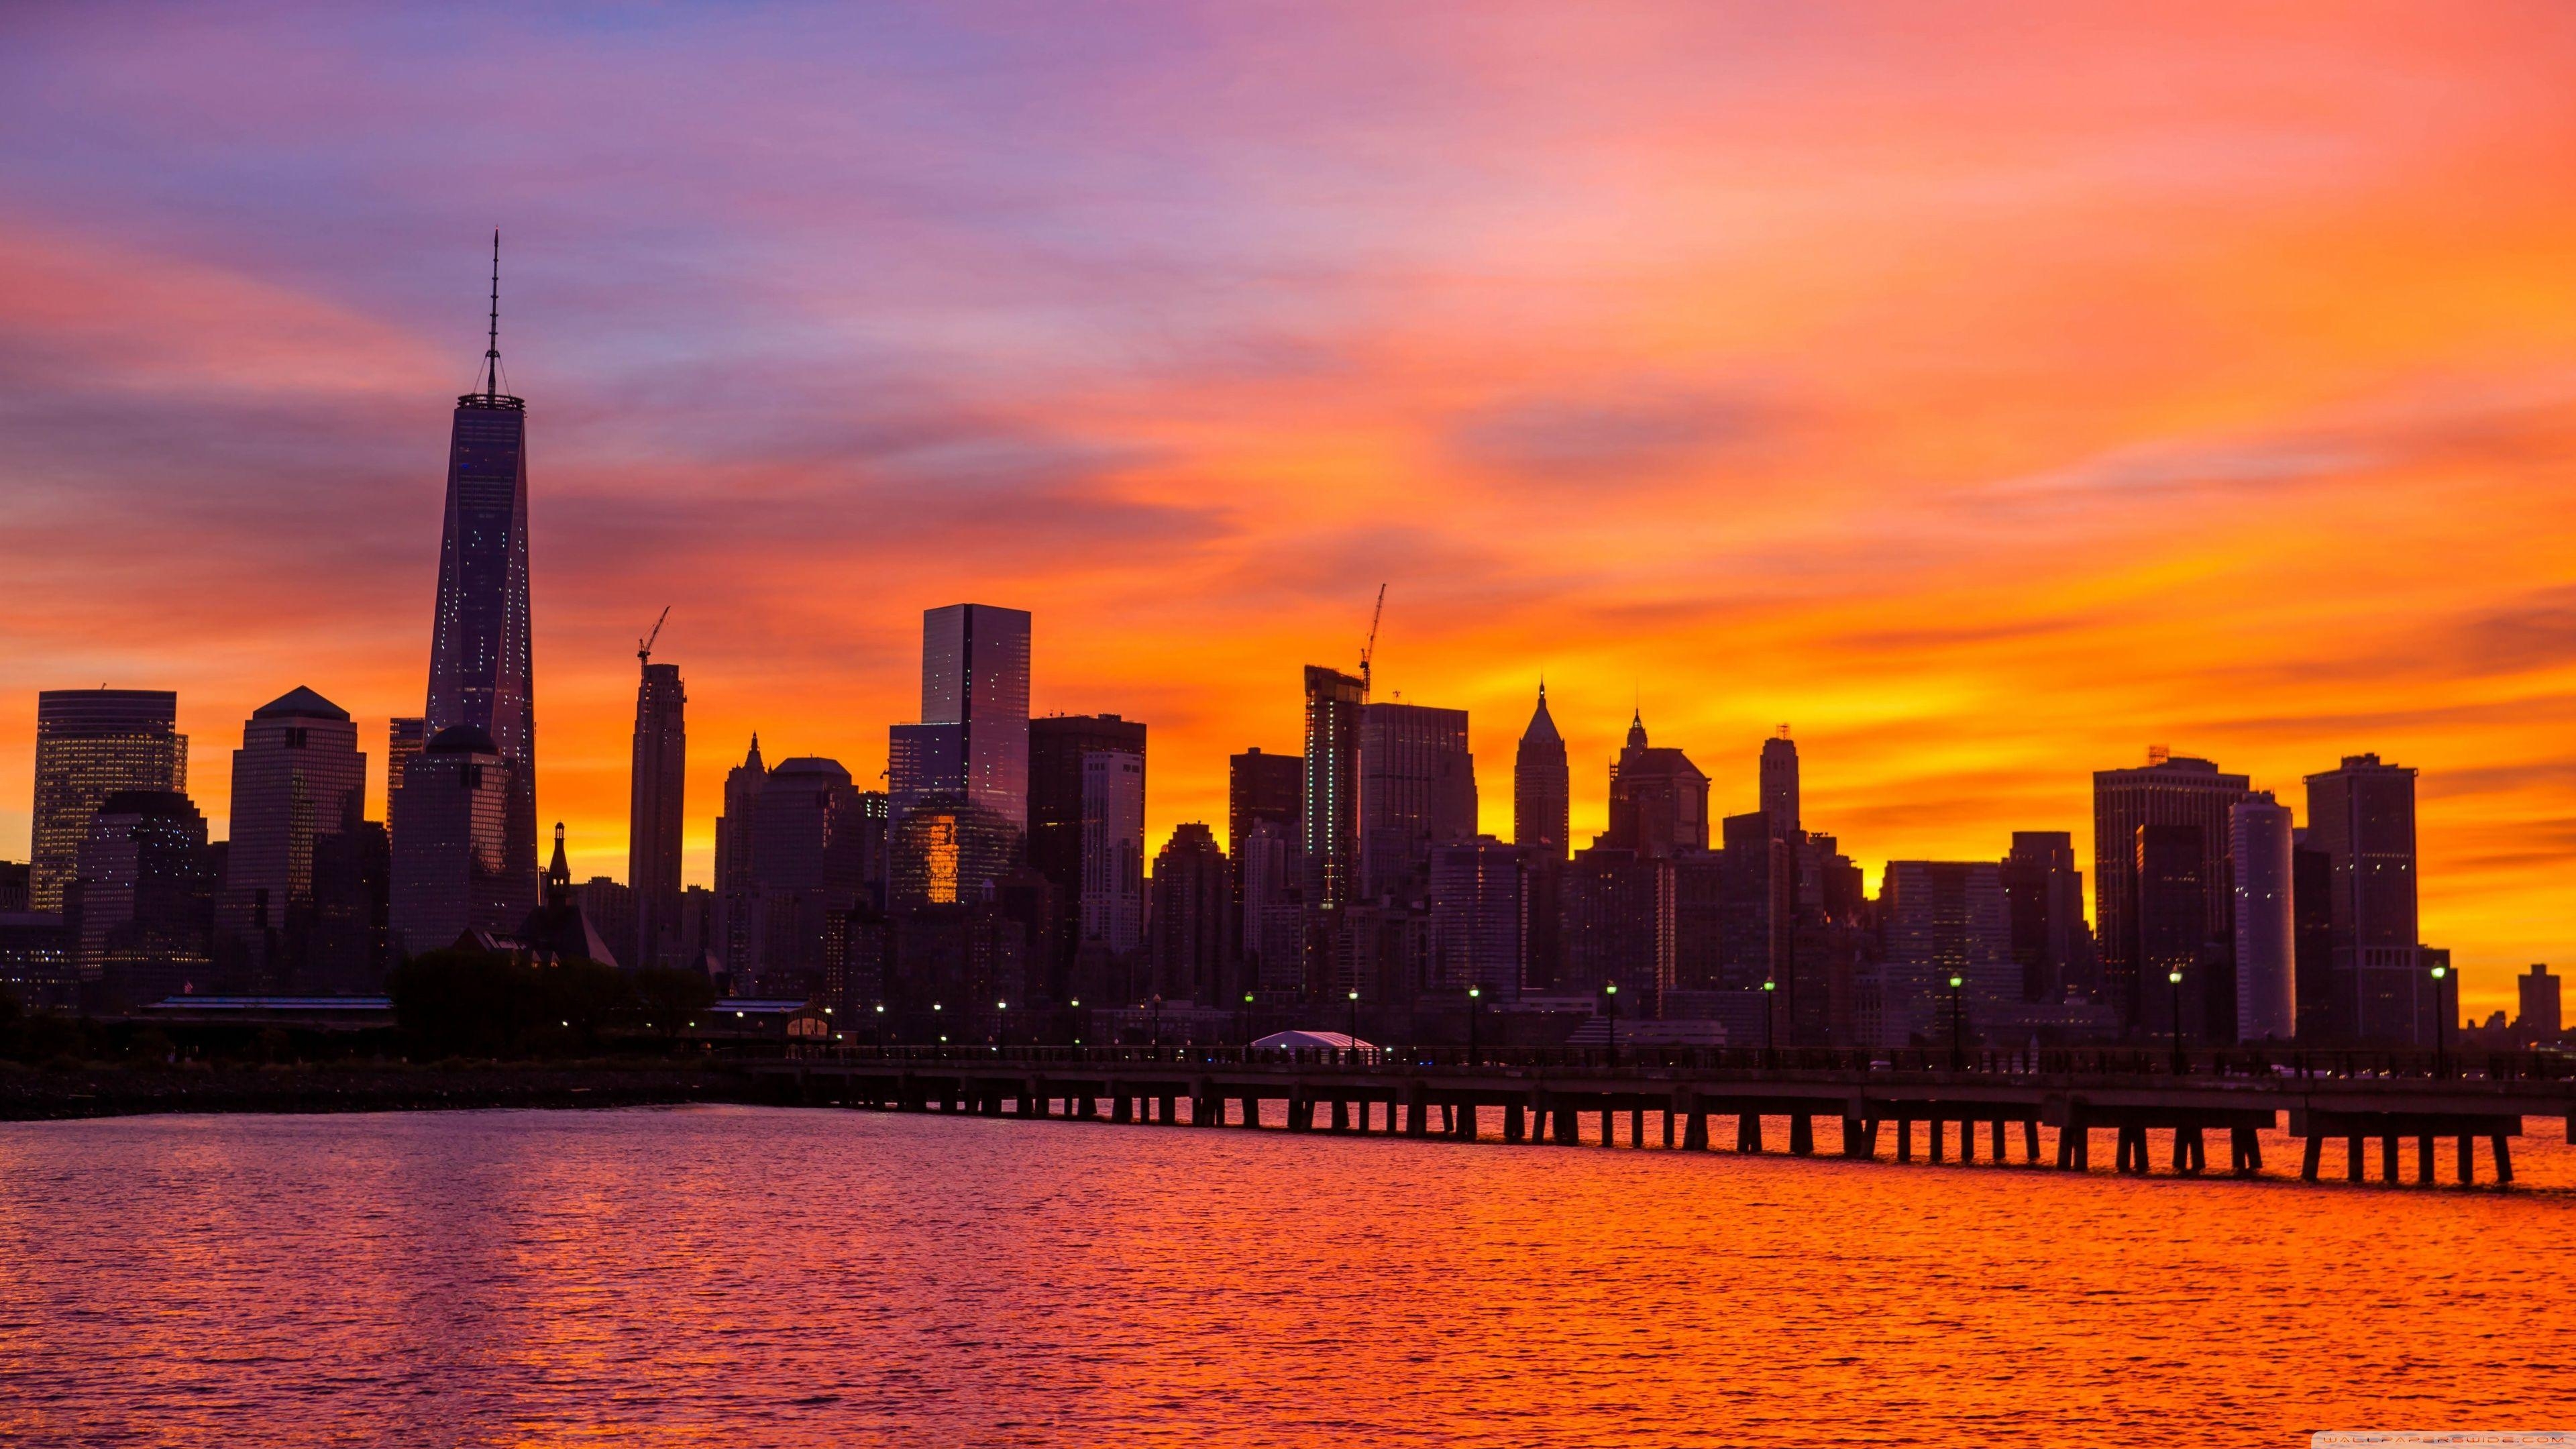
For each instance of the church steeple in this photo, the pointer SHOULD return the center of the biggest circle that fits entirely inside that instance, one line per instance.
(1637, 730)
(558, 872)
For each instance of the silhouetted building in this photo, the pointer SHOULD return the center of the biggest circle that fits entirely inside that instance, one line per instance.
(90, 744)
(1658, 799)
(559, 929)
(608, 905)
(1939, 919)
(1780, 784)
(1058, 745)
(2325, 1013)
(1617, 906)
(657, 792)
(1417, 791)
(2539, 1019)
(298, 776)
(1478, 916)
(13, 886)
(2267, 945)
(2173, 790)
(140, 914)
(1329, 832)
(2171, 883)
(2362, 815)
(811, 859)
(1263, 787)
(1273, 909)
(1193, 903)
(2045, 894)
(1113, 849)
(1759, 884)
(405, 737)
(36, 965)
(742, 787)
(457, 858)
(1542, 788)
(947, 852)
(975, 675)
(481, 674)
(347, 944)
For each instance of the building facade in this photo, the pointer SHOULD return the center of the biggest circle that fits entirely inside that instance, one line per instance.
(1658, 798)
(2266, 920)
(297, 777)
(656, 805)
(90, 744)
(1542, 788)
(457, 858)
(1112, 903)
(2168, 790)
(1329, 837)
(1417, 791)
(2361, 815)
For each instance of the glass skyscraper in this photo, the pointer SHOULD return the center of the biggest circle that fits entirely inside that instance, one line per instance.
(975, 675)
(90, 744)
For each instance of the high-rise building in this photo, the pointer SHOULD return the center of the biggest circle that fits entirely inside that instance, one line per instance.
(2168, 790)
(2266, 920)
(811, 859)
(1058, 746)
(2325, 1014)
(1272, 908)
(607, 907)
(2539, 1019)
(2362, 815)
(140, 913)
(657, 788)
(1329, 830)
(975, 675)
(90, 744)
(1617, 929)
(1542, 789)
(35, 965)
(1263, 787)
(481, 669)
(403, 742)
(346, 943)
(1192, 904)
(457, 857)
(13, 886)
(945, 853)
(1941, 919)
(1417, 791)
(2045, 894)
(1780, 784)
(1756, 937)
(1112, 903)
(2170, 886)
(733, 885)
(1658, 798)
(298, 776)
(1478, 916)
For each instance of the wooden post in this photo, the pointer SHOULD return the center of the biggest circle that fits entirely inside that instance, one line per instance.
(1967, 1141)
(1748, 1132)
(2246, 1149)
(2503, 1158)
(1852, 1146)
(2468, 1159)
(1905, 1139)
(1341, 1115)
(2388, 1158)
(1609, 1124)
(1637, 1127)
(1467, 1123)
(1694, 1119)
(1997, 1133)
(1417, 1110)
(2423, 1159)
(2352, 1158)
(1802, 1135)
(2029, 1140)
(1165, 1112)
(1940, 1129)
(1515, 1123)
(1569, 1132)
(2313, 1157)
(1668, 1129)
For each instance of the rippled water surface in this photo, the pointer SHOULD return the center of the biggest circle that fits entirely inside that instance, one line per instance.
(740, 1275)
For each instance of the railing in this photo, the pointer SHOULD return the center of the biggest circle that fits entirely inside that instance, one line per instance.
(2232, 1065)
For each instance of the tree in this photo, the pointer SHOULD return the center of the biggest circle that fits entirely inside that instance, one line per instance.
(669, 1001)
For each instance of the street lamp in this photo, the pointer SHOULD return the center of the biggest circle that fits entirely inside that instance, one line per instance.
(1355, 1020)
(1610, 1009)
(1769, 987)
(1247, 1021)
(1475, 1007)
(880, 1026)
(2441, 1024)
(1002, 1025)
(1958, 1022)
(2173, 978)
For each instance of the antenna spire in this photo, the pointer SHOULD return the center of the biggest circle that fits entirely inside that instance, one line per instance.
(492, 347)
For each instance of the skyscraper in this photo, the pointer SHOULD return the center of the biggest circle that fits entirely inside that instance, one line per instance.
(1058, 747)
(2362, 815)
(2045, 894)
(1263, 787)
(1478, 916)
(1617, 927)
(2266, 920)
(1943, 918)
(1329, 831)
(1542, 789)
(811, 860)
(90, 744)
(457, 858)
(481, 672)
(732, 902)
(141, 911)
(297, 777)
(1658, 798)
(1192, 902)
(2171, 884)
(2539, 1017)
(1272, 906)
(404, 738)
(656, 792)
(1780, 784)
(975, 675)
(1112, 903)
(2168, 790)
(1417, 791)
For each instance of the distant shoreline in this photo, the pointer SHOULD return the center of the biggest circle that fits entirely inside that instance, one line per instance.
(44, 1095)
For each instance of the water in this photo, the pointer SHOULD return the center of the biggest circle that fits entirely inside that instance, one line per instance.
(704, 1276)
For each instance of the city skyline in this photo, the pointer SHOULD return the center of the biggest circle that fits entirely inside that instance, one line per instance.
(1707, 510)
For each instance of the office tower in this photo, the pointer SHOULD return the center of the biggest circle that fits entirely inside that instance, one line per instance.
(657, 788)
(345, 948)
(1617, 928)
(1780, 784)
(1058, 745)
(1417, 790)
(1940, 919)
(2168, 790)
(975, 675)
(2362, 815)
(1263, 787)
(2170, 889)
(13, 885)
(1478, 914)
(2266, 920)
(945, 853)
(1329, 830)
(35, 966)
(608, 906)
(2325, 1014)
(2539, 1019)
(481, 672)
(742, 788)
(1658, 798)
(403, 742)
(1272, 908)
(924, 763)
(1192, 905)
(1758, 886)
(811, 859)
(1112, 904)
(457, 857)
(298, 776)
(2045, 894)
(1542, 789)
(139, 915)
(90, 744)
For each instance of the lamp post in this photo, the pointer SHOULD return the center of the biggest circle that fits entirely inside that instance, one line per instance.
(1610, 1010)
(2441, 1024)
(881, 1041)
(1247, 1021)
(1074, 1027)
(1001, 1025)
(2173, 978)
(1354, 1032)
(1768, 988)
(1158, 1021)
(1958, 1022)
(1475, 1007)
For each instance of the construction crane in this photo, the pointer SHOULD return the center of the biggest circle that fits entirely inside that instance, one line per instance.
(1368, 651)
(644, 646)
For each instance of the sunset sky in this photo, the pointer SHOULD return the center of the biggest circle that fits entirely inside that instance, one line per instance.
(1988, 392)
